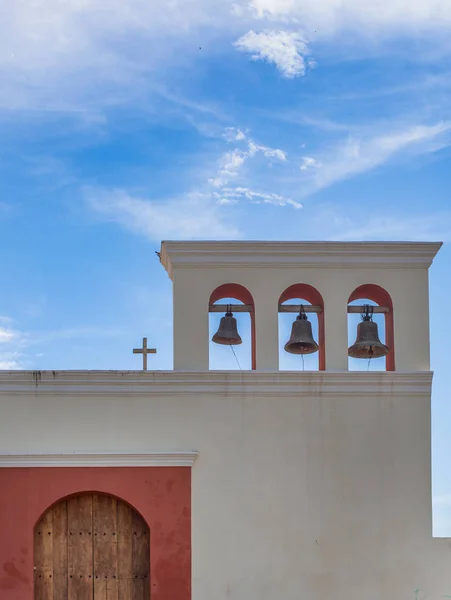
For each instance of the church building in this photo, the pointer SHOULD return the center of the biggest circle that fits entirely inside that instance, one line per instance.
(252, 484)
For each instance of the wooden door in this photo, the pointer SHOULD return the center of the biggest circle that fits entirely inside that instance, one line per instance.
(91, 547)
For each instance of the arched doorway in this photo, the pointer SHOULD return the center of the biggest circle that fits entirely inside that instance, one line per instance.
(91, 547)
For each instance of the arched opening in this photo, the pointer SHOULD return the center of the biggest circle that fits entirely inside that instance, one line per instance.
(377, 297)
(91, 545)
(236, 357)
(311, 299)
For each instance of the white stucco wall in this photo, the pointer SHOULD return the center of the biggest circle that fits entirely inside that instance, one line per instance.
(307, 485)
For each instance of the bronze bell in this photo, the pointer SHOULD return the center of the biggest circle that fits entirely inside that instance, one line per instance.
(367, 343)
(301, 340)
(227, 333)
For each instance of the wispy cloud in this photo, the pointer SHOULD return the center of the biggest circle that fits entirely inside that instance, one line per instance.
(232, 161)
(335, 225)
(309, 163)
(360, 153)
(229, 166)
(190, 217)
(11, 361)
(16, 344)
(7, 333)
(288, 51)
(58, 55)
(330, 16)
(11, 340)
(234, 134)
(6, 336)
(234, 195)
(201, 212)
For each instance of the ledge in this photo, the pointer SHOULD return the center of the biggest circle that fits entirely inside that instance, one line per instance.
(149, 459)
(297, 254)
(224, 384)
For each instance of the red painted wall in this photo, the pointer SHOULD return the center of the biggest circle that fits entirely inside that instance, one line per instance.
(162, 495)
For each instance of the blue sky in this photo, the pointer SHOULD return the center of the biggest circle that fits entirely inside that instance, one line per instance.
(126, 122)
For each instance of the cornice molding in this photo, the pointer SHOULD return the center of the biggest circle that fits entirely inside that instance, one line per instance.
(390, 255)
(108, 459)
(122, 384)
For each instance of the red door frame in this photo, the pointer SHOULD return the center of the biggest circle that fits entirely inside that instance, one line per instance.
(162, 495)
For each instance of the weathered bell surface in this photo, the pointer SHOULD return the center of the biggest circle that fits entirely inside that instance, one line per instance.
(367, 343)
(227, 332)
(301, 340)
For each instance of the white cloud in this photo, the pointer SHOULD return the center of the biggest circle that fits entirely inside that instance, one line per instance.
(15, 344)
(234, 195)
(231, 162)
(80, 56)
(287, 50)
(224, 201)
(362, 152)
(7, 332)
(6, 336)
(268, 152)
(193, 216)
(10, 361)
(10, 341)
(199, 214)
(309, 163)
(334, 225)
(229, 166)
(233, 134)
(327, 17)
(63, 56)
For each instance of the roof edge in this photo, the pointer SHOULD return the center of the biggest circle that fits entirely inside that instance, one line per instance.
(239, 254)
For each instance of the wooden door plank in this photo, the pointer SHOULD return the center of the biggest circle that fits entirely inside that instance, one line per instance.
(105, 547)
(140, 558)
(60, 578)
(43, 557)
(124, 551)
(79, 551)
(139, 589)
(125, 589)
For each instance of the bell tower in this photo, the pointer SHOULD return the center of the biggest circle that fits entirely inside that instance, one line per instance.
(329, 275)
(263, 482)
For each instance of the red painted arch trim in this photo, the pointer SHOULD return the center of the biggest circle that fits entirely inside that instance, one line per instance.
(304, 291)
(238, 291)
(380, 296)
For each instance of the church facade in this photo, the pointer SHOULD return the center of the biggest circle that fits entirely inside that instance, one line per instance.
(195, 484)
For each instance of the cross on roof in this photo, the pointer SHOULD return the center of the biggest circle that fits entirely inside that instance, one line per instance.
(144, 351)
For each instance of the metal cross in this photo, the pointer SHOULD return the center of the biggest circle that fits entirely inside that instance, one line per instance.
(144, 351)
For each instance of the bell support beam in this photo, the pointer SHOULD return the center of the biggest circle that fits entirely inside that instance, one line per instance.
(235, 308)
(289, 308)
